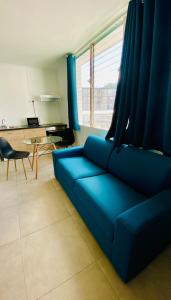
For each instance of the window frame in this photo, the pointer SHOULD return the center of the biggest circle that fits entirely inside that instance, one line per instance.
(91, 49)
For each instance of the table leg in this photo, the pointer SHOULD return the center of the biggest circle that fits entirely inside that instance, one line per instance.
(34, 149)
(53, 146)
(37, 154)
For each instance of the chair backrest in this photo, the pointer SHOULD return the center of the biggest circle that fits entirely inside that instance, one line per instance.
(5, 148)
(68, 135)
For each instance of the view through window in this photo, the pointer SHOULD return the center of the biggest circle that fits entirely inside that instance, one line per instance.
(97, 81)
(83, 88)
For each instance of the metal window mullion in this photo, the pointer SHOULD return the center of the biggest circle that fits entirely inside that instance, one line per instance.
(92, 85)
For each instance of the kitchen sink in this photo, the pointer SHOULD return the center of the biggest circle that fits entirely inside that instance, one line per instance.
(3, 127)
(7, 127)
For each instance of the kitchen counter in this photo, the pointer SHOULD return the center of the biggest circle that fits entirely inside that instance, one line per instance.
(60, 125)
(16, 135)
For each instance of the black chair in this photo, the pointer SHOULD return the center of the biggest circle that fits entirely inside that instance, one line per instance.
(68, 138)
(7, 152)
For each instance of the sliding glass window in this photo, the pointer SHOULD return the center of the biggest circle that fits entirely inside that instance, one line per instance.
(83, 88)
(97, 77)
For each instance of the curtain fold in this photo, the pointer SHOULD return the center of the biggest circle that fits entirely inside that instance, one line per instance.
(72, 93)
(159, 77)
(142, 109)
(139, 118)
(167, 123)
(122, 77)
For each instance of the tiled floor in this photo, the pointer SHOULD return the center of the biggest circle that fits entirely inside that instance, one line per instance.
(47, 252)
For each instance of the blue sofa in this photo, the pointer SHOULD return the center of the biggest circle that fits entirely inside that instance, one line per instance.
(123, 195)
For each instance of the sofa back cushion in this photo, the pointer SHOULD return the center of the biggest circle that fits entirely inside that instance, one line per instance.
(98, 150)
(144, 170)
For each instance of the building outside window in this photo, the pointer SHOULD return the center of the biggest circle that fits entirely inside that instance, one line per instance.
(83, 88)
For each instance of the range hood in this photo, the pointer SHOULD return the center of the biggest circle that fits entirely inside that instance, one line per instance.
(46, 98)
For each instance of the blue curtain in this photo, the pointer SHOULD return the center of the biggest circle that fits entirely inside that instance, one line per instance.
(72, 93)
(142, 112)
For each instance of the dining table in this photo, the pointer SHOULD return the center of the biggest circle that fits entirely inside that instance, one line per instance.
(41, 145)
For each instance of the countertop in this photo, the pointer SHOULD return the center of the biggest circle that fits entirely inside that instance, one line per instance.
(29, 127)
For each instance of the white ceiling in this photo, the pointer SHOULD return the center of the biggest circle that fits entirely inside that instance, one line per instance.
(38, 32)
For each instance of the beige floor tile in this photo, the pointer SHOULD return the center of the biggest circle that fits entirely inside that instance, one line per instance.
(52, 256)
(58, 259)
(67, 202)
(12, 175)
(9, 225)
(34, 190)
(20, 172)
(161, 273)
(12, 286)
(61, 195)
(34, 215)
(63, 198)
(44, 169)
(92, 244)
(89, 284)
(140, 288)
(9, 195)
(55, 184)
(35, 183)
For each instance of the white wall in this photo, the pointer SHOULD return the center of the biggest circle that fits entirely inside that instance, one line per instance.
(62, 87)
(17, 85)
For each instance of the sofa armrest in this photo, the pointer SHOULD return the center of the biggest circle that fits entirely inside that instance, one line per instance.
(68, 152)
(141, 233)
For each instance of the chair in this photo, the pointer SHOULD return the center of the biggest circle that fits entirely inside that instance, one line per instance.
(7, 152)
(68, 138)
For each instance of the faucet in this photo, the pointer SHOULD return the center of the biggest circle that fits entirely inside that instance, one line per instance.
(3, 125)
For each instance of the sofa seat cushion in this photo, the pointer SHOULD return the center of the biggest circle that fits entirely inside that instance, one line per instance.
(72, 168)
(104, 197)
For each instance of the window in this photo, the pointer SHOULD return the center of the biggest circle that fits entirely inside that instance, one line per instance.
(97, 77)
(83, 88)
